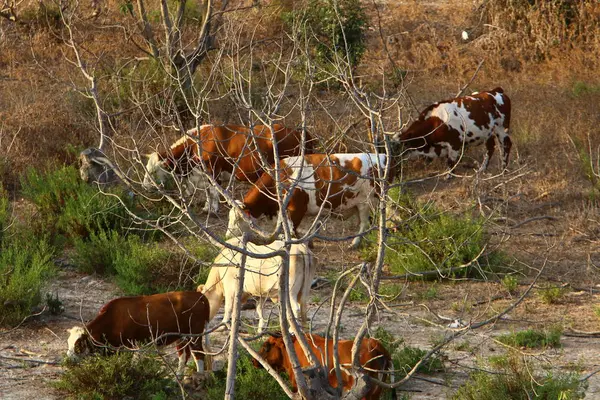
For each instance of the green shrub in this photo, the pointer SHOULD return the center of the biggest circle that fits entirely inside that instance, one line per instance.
(118, 376)
(250, 382)
(4, 213)
(532, 339)
(25, 266)
(510, 283)
(68, 206)
(515, 380)
(97, 253)
(407, 357)
(132, 262)
(334, 30)
(427, 239)
(137, 265)
(551, 294)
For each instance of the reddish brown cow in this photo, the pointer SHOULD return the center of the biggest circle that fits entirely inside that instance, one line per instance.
(340, 182)
(227, 148)
(126, 320)
(373, 357)
(444, 129)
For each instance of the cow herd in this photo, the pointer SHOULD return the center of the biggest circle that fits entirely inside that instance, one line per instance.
(312, 184)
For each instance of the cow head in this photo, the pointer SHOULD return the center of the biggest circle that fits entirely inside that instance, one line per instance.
(79, 342)
(94, 167)
(273, 352)
(156, 172)
(237, 225)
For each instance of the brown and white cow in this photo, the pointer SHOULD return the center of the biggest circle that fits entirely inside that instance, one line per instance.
(446, 128)
(343, 183)
(220, 149)
(126, 320)
(261, 278)
(373, 357)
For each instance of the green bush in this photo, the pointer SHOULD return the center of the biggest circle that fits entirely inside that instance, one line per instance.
(4, 213)
(25, 266)
(117, 376)
(515, 380)
(97, 253)
(136, 266)
(428, 239)
(406, 357)
(250, 382)
(68, 206)
(334, 29)
(532, 339)
(132, 262)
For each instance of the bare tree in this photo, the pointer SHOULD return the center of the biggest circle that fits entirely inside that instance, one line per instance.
(266, 82)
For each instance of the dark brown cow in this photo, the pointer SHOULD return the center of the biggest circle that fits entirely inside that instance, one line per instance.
(226, 148)
(344, 182)
(373, 357)
(444, 129)
(126, 320)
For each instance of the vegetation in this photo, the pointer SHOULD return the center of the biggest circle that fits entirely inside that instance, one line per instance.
(406, 357)
(533, 339)
(514, 380)
(70, 207)
(428, 239)
(250, 382)
(335, 31)
(118, 376)
(25, 265)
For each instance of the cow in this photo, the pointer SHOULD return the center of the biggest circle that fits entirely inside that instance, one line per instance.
(261, 278)
(446, 128)
(125, 320)
(231, 149)
(373, 357)
(343, 183)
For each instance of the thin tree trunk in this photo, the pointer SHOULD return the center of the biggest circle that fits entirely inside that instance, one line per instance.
(235, 326)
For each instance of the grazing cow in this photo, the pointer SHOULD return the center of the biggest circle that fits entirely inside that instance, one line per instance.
(93, 167)
(261, 278)
(444, 129)
(373, 357)
(126, 320)
(340, 182)
(228, 148)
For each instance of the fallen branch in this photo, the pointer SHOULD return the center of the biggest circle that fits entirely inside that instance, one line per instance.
(31, 360)
(581, 334)
(532, 219)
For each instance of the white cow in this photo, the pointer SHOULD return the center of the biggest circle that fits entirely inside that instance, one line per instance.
(261, 278)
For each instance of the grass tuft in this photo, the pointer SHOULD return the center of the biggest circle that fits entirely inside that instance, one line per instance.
(533, 339)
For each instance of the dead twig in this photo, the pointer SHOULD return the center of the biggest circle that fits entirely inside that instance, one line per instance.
(31, 360)
(462, 90)
(532, 219)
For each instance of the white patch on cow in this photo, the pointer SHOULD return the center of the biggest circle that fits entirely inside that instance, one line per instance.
(457, 117)
(155, 174)
(75, 334)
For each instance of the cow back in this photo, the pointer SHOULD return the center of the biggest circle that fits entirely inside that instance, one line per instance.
(127, 319)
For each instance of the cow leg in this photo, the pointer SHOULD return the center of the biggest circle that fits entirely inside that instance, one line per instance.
(505, 148)
(260, 310)
(197, 353)
(490, 144)
(363, 212)
(183, 354)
